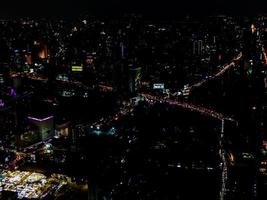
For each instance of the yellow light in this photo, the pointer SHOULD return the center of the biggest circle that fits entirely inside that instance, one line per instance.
(77, 68)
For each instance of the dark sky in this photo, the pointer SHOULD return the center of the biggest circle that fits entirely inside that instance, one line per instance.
(163, 7)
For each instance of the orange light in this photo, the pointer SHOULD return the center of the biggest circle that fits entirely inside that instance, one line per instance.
(231, 157)
(265, 57)
(43, 53)
(264, 143)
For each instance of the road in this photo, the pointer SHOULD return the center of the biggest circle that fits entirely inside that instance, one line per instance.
(188, 106)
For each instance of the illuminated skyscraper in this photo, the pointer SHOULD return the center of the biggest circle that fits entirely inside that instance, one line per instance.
(45, 126)
(134, 79)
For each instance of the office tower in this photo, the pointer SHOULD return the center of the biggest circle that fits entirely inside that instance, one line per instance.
(45, 126)
(134, 79)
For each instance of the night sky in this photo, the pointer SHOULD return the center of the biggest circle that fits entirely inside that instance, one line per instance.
(103, 7)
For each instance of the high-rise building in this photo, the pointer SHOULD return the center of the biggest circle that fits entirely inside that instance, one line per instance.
(45, 126)
(197, 47)
(134, 79)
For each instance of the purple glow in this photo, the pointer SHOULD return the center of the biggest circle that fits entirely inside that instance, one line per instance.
(2, 103)
(122, 50)
(40, 120)
(12, 92)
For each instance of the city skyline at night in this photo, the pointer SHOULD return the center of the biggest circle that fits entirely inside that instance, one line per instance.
(133, 100)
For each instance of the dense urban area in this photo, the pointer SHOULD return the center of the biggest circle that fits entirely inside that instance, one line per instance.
(133, 108)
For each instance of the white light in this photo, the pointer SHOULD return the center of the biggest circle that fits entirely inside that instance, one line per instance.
(85, 21)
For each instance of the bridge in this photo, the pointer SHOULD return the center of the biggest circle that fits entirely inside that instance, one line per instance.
(188, 106)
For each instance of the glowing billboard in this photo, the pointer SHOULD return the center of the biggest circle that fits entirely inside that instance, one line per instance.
(158, 86)
(77, 68)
